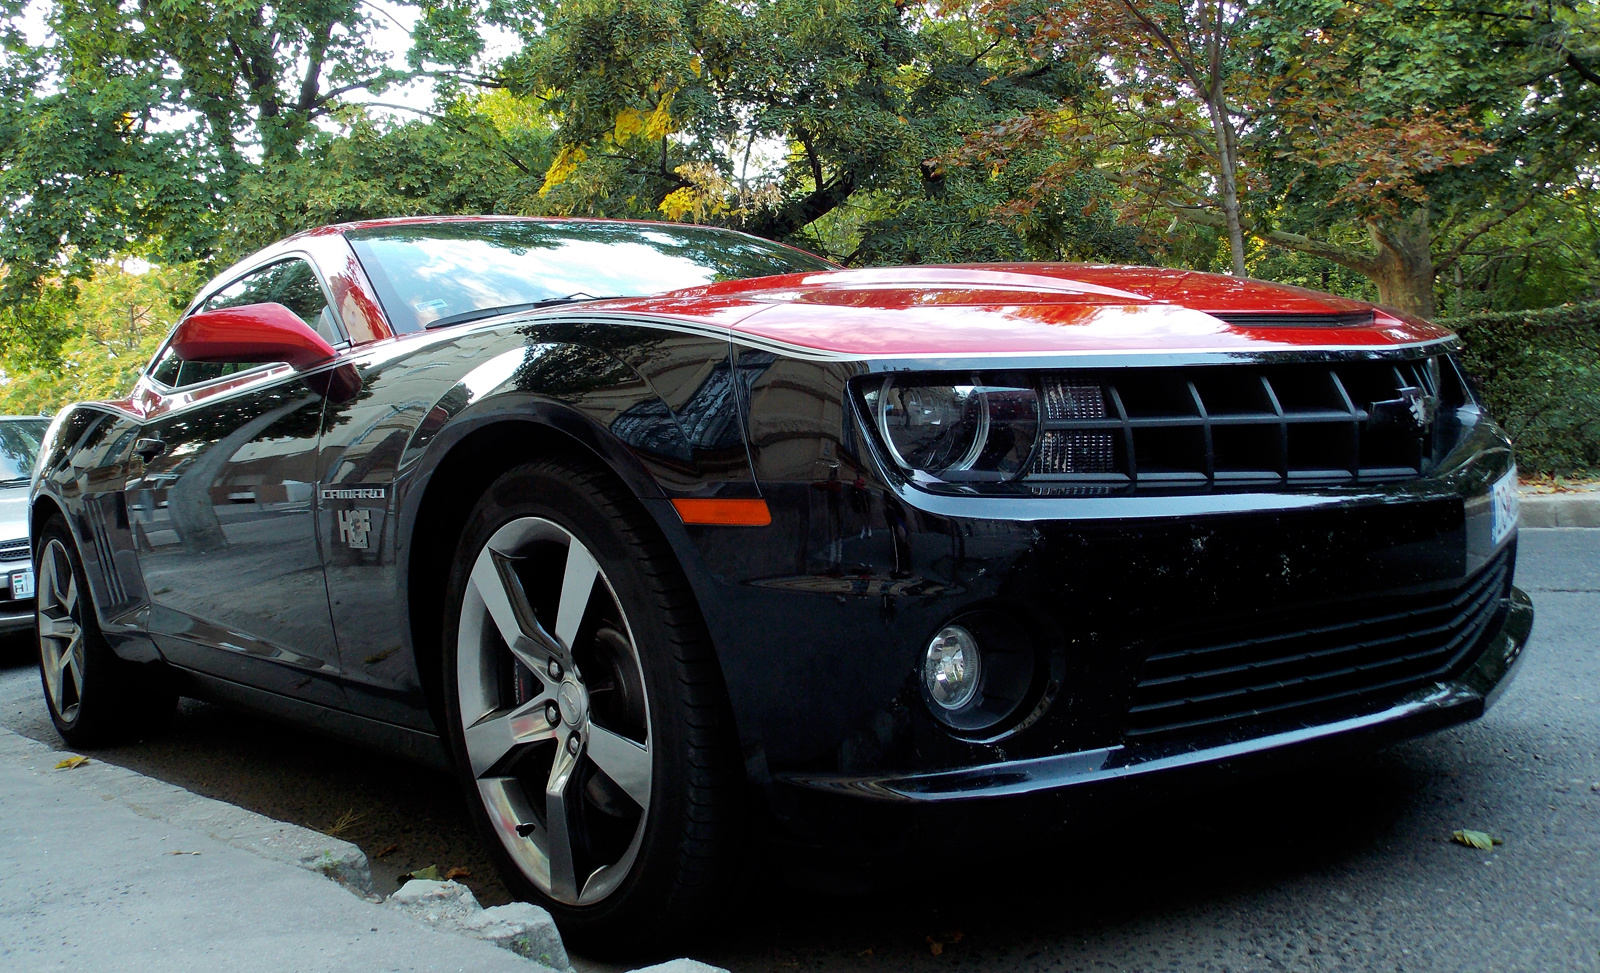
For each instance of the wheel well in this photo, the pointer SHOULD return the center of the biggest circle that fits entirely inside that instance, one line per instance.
(43, 509)
(462, 476)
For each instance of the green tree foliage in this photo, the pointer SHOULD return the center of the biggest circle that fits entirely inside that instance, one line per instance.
(1540, 372)
(114, 327)
(1429, 153)
(136, 127)
(486, 155)
(798, 120)
(1436, 125)
(1386, 137)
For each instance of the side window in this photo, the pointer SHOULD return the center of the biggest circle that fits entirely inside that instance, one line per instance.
(291, 283)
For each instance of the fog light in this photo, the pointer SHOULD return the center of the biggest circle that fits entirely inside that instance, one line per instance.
(952, 668)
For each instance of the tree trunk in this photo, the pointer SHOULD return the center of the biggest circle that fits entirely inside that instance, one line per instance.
(1227, 177)
(1404, 272)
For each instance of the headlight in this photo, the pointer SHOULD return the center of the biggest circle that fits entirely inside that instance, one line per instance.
(950, 431)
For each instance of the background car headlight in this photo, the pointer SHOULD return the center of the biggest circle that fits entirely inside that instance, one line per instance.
(949, 430)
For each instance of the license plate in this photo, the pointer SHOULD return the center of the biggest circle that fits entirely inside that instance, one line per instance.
(22, 583)
(1505, 506)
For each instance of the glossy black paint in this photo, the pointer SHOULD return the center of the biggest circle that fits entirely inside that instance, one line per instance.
(229, 553)
(226, 538)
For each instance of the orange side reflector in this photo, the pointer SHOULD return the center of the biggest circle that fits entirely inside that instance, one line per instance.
(726, 513)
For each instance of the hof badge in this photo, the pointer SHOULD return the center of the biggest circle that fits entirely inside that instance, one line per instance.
(356, 523)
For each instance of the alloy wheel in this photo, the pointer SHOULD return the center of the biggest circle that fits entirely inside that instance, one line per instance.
(60, 619)
(553, 710)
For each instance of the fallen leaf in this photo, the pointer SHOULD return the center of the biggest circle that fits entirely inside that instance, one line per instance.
(1475, 839)
(183, 853)
(72, 762)
(430, 874)
(457, 872)
(936, 944)
(386, 851)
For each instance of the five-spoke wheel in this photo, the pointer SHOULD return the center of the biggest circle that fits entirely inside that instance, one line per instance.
(586, 710)
(556, 724)
(61, 650)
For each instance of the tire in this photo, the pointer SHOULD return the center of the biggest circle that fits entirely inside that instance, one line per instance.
(569, 620)
(95, 699)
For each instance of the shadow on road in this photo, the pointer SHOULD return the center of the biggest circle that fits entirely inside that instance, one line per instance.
(1173, 858)
(1149, 866)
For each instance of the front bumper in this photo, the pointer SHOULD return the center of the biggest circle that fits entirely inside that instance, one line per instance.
(1425, 710)
(14, 619)
(821, 622)
(16, 614)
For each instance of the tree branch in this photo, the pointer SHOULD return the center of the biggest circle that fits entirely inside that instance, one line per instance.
(313, 76)
(1584, 71)
(1459, 249)
(1362, 263)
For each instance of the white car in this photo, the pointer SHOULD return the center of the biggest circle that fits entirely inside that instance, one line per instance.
(19, 448)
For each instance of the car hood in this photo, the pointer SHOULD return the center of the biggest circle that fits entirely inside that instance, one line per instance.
(1032, 309)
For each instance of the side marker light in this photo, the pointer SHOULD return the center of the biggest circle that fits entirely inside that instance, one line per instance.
(723, 513)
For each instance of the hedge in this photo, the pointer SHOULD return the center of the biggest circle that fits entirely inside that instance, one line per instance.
(1539, 372)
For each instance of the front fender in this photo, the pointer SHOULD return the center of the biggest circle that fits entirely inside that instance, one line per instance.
(84, 464)
(434, 425)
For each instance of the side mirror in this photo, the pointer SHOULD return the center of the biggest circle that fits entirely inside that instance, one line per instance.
(250, 333)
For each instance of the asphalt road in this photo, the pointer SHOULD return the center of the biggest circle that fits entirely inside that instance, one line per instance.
(1345, 866)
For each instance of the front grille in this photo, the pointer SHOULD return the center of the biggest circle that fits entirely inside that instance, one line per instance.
(1372, 653)
(1245, 425)
(14, 550)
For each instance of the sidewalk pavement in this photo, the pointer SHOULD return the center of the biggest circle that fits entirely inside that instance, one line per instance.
(106, 870)
(1567, 506)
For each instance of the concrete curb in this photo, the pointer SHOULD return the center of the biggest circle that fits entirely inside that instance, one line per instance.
(1578, 508)
(521, 927)
(159, 801)
(523, 930)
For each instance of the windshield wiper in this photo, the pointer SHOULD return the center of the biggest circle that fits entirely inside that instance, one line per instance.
(489, 312)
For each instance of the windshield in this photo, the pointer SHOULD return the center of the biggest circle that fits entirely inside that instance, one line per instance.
(431, 271)
(19, 447)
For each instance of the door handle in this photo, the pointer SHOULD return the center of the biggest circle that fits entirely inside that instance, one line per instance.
(149, 449)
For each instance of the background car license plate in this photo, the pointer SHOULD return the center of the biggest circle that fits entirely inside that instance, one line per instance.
(22, 583)
(1505, 506)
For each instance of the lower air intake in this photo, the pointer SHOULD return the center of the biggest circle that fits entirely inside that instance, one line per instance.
(1310, 664)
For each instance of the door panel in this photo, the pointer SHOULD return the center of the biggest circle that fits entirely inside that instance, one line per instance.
(225, 519)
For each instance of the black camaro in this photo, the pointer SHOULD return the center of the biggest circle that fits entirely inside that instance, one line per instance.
(661, 535)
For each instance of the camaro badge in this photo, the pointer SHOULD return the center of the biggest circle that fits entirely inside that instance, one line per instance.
(353, 493)
(354, 525)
